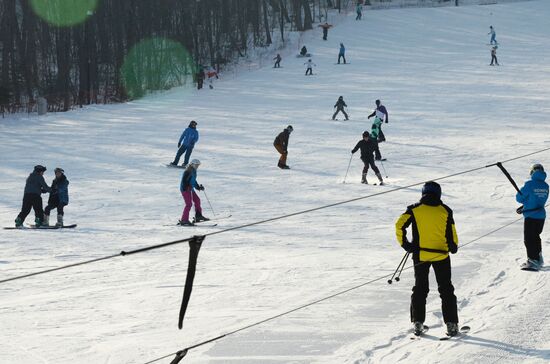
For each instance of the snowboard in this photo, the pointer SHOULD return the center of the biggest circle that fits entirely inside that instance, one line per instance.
(175, 166)
(52, 227)
(342, 63)
(304, 56)
(461, 332)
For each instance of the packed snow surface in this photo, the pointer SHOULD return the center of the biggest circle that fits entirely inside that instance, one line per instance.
(449, 111)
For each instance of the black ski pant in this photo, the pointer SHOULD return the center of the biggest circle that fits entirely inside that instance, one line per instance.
(53, 202)
(377, 154)
(494, 59)
(341, 56)
(381, 136)
(532, 228)
(337, 111)
(200, 82)
(369, 161)
(277, 64)
(309, 71)
(359, 15)
(325, 33)
(421, 288)
(34, 201)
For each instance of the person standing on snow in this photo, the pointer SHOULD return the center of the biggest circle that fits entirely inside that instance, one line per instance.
(277, 60)
(342, 53)
(359, 11)
(59, 197)
(433, 237)
(187, 188)
(186, 143)
(367, 148)
(325, 27)
(493, 35)
(533, 195)
(494, 56)
(309, 67)
(340, 104)
(34, 187)
(200, 77)
(211, 73)
(380, 114)
(281, 144)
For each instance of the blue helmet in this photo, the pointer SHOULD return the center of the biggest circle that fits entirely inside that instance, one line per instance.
(431, 188)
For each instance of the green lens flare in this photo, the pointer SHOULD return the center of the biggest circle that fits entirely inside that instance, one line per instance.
(64, 13)
(155, 64)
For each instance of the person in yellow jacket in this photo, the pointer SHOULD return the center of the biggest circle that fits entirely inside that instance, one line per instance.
(433, 237)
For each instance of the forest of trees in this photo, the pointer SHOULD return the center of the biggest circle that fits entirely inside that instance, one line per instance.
(75, 52)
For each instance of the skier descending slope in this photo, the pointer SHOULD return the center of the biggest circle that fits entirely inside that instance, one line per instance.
(533, 195)
(340, 104)
(186, 143)
(187, 189)
(34, 187)
(309, 67)
(433, 237)
(367, 149)
(59, 197)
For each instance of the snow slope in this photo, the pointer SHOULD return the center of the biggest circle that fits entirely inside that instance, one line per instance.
(449, 111)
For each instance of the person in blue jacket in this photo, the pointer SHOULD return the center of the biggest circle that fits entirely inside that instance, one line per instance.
(342, 53)
(533, 195)
(186, 143)
(59, 197)
(187, 188)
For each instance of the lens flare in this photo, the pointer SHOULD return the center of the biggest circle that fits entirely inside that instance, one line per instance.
(64, 13)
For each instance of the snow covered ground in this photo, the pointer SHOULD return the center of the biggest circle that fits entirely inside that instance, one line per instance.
(449, 111)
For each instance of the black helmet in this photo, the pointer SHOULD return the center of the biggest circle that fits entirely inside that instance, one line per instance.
(365, 134)
(377, 102)
(536, 167)
(39, 168)
(341, 97)
(289, 128)
(431, 188)
(192, 124)
(59, 170)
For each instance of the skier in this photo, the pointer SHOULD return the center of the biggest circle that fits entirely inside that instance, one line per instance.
(34, 187)
(342, 53)
(211, 73)
(303, 51)
(187, 189)
(433, 237)
(186, 143)
(533, 195)
(359, 10)
(59, 197)
(277, 60)
(200, 77)
(325, 27)
(340, 104)
(493, 35)
(281, 144)
(309, 67)
(367, 148)
(494, 56)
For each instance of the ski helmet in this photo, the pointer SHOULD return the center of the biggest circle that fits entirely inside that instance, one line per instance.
(377, 102)
(39, 168)
(536, 167)
(431, 188)
(290, 128)
(193, 123)
(195, 162)
(366, 134)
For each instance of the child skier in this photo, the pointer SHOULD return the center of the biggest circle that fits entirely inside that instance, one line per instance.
(340, 104)
(59, 197)
(493, 35)
(186, 143)
(281, 144)
(367, 148)
(494, 56)
(342, 53)
(309, 67)
(187, 189)
(34, 187)
(277, 60)
(533, 195)
(433, 237)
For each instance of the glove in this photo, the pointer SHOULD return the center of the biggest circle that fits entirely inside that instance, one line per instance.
(519, 210)
(386, 121)
(408, 247)
(352, 152)
(179, 145)
(200, 188)
(453, 248)
(369, 117)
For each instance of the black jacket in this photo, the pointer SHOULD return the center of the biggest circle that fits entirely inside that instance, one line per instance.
(340, 104)
(36, 184)
(282, 139)
(367, 148)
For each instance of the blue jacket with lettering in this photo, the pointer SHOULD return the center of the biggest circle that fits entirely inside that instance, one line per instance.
(534, 195)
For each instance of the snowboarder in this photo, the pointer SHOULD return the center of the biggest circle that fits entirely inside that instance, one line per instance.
(367, 149)
(342, 53)
(187, 189)
(340, 104)
(325, 27)
(493, 35)
(186, 143)
(494, 56)
(34, 187)
(303, 51)
(433, 237)
(309, 67)
(211, 73)
(359, 11)
(200, 77)
(533, 195)
(281, 144)
(59, 197)
(277, 60)
(381, 113)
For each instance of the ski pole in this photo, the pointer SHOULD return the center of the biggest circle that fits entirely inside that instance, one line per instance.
(207, 199)
(384, 168)
(402, 267)
(397, 269)
(349, 164)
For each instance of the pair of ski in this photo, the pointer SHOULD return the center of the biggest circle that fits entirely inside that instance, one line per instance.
(461, 332)
(31, 227)
(207, 223)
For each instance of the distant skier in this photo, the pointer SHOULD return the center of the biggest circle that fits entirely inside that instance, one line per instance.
(533, 195)
(493, 35)
(187, 189)
(342, 53)
(433, 237)
(59, 197)
(186, 143)
(325, 27)
(303, 51)
(340, 104)
(277, 60)
(359, 11)
(200, 77)
(309, 67)
(34, 187)
(367, 148)
(494, 56)
(281, 144)
(211, 73)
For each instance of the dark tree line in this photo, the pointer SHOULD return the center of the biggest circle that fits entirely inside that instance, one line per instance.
(120, 50)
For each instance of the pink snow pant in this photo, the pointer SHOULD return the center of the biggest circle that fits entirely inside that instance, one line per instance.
(187, 196)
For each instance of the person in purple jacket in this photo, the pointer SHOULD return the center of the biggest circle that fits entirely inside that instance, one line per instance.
(186, 143)
(381, 114)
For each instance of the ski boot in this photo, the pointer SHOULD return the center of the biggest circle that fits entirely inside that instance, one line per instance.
(185, 223)
(380, 179)
(452, 328)
(418, 328)
(38, 222)
(18, 222)
(173, 164)
(364, 179)
(199, 218)
(59, 222)
(46, 221)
